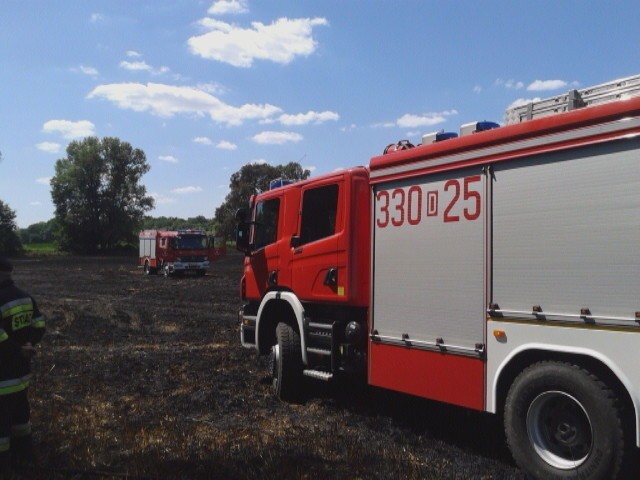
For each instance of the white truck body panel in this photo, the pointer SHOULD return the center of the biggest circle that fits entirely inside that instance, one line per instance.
(148, 247)
(566, 233)
(428, 277)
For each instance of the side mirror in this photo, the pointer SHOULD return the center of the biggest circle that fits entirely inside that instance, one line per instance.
(243, 215)
(242, 238)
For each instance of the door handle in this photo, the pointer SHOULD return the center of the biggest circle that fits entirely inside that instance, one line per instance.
(273, 277)
(331, 278)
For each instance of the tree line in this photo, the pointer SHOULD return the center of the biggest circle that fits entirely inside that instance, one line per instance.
(101, 204)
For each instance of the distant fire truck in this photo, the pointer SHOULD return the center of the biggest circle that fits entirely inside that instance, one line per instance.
(497, 270)
(176, 252)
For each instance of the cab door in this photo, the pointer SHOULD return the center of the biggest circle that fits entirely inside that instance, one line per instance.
(315, 270)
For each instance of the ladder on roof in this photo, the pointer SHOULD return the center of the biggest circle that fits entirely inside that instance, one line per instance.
(615, 90)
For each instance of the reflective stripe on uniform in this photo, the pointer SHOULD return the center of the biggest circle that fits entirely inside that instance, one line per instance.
(3, 335)
(5, 443)
(22, 430)
(16, 306)
(38, 322)
(14, 385)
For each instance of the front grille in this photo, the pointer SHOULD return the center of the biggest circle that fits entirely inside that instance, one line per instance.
(192, 258)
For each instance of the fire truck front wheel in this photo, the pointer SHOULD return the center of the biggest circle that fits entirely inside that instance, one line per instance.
(148, 269)
(563, 422)
(286, 364)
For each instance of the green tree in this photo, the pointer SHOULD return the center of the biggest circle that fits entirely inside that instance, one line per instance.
(252, 179)
(9, 239)
(175, 223)
(96, 190)
(41, 232)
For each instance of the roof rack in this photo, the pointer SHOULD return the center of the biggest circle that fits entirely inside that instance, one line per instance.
(615, 90)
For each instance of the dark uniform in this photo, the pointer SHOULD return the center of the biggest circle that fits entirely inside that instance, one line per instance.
(22, 326)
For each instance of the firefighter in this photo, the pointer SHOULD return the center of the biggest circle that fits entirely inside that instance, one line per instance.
(21, 329)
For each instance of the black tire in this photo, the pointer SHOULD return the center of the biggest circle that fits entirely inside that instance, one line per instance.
(165, 270)
(563, 422)
(286, 364)
(148, 269)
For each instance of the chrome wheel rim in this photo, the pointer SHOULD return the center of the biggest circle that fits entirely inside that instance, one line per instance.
(560, 430)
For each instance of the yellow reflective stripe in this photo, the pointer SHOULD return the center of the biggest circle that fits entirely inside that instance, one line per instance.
(38, 322)
(15, 389)
(3, 335)
(16, 306)
(5, 443)
(15, 385)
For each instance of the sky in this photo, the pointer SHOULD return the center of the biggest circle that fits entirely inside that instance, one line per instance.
(204, 87)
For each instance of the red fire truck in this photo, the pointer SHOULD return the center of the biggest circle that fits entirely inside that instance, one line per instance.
(497, 270)
(176, 252)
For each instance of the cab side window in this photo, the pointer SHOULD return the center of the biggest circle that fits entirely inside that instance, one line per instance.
(265, 229)
(319, 208)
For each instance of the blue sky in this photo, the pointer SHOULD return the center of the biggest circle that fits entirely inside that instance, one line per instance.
(205, 87)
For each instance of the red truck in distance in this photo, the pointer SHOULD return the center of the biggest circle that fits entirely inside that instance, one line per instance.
(496, 270)
(179, 251)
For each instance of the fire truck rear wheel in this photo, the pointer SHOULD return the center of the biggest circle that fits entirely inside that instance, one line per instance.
(563, 422)
(286, 364)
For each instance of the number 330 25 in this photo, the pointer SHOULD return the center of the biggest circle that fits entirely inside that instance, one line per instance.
(410, 205)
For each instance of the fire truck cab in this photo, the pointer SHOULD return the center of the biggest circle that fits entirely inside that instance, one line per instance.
(495, 270)
(174, 252)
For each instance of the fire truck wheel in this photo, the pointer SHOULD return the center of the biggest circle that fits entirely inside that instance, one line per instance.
(148, 269)
(563, 422)
(286, 364)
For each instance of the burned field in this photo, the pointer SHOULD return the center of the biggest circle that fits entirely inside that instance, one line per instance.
(144, 377)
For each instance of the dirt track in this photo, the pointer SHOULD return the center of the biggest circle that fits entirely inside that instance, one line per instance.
(144, 377)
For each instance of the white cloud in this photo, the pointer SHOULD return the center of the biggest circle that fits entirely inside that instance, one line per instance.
(280, 42)
(477, 89)
(522, 101)
(70, 130)
(543, 85)
(168, 158)
(226, 7)
(409, 120)
(189, 189)
(142, 66)
(510, 84)
(91, 71)
(132, 54)
(44, 180)
(276, 138)
(167, 101)
(212, 87)
(161, 199)
(309, 117)
(226, 145)
(49, 147)
(203, 140)
(96, 17)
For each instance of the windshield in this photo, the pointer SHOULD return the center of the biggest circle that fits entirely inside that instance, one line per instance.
(191, 242)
